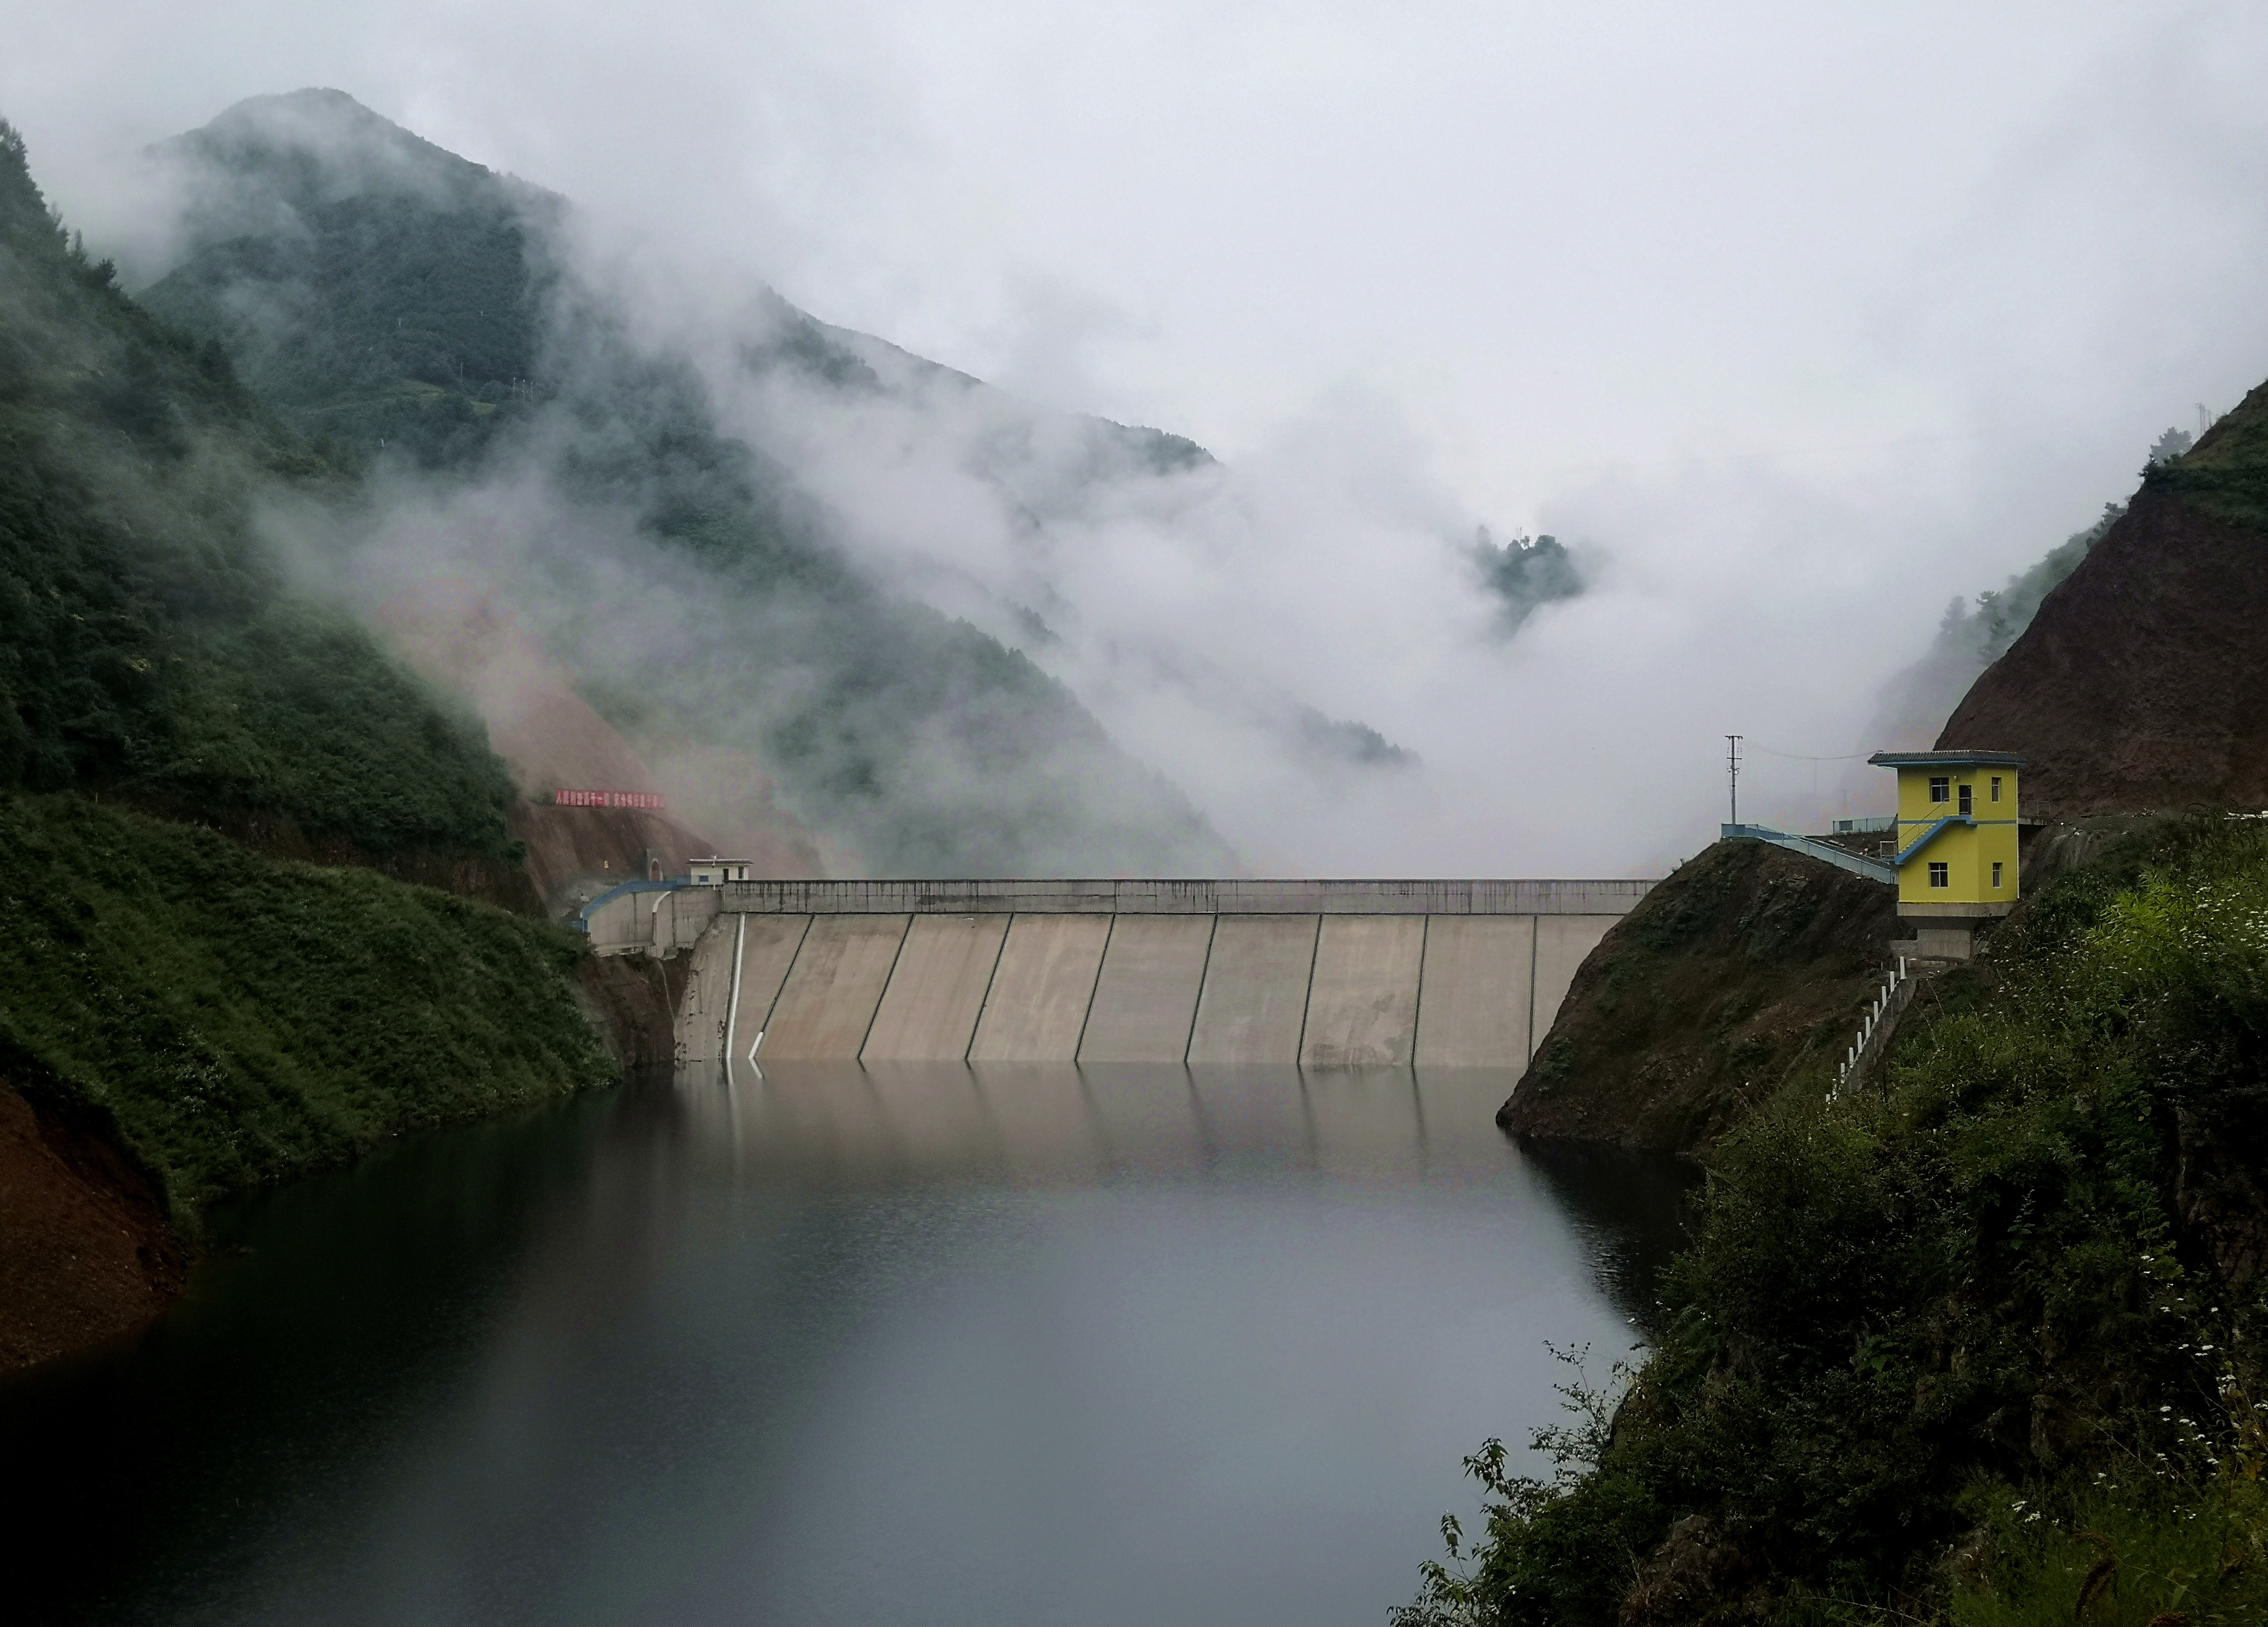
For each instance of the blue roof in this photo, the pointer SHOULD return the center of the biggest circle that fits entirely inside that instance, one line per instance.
(1946, 759)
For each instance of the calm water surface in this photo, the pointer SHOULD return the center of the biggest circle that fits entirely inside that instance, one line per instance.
(930, 1346)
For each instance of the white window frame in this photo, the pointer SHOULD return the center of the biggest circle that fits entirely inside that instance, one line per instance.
(1940, 875)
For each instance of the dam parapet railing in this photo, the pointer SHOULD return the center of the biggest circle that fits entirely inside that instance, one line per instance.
(1191, 898)
(663, 917)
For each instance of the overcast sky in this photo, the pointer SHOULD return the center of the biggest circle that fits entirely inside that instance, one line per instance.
(1808, 317)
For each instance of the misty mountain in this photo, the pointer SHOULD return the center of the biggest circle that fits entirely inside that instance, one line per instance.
(417, 314)
(1524, 575)
(381, 289)
(372, 287)
(151, 647)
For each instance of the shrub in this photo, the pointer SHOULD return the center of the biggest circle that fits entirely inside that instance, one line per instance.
(2007, 1310)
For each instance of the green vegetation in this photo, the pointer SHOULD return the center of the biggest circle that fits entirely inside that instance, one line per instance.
(150, 647)
(1745, 969)
(2002, 615)
(230, 1019)
(2226, 473)
(2226, 476)
(235, 1019)
(404, 315)
(1525, 574)
(1983, 1347)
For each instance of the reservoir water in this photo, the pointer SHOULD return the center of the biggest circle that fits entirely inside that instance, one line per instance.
(860, 1345)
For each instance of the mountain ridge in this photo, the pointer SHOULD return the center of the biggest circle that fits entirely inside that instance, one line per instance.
(413, 308)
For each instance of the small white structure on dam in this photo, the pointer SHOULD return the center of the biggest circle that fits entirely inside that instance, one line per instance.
(1206, 974)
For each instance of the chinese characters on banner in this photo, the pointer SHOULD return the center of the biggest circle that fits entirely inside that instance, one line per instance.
(608, 800)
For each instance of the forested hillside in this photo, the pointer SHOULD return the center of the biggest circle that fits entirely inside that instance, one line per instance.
(1984, 1346)
(374, 290)
(182, 1014)
(149, 647)
(411, 306)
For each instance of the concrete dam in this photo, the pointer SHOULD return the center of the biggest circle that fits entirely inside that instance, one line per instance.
(1197, 974)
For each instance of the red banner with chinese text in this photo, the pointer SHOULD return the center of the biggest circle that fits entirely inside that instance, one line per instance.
(608, 800)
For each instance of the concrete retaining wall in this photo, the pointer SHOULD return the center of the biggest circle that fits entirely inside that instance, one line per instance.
(1362, 998)
(1008, 973)
(1147, 998)
(928, 1014)
(1036, 1007)
(834, 989)
(1255, 1001)
(1478, 982)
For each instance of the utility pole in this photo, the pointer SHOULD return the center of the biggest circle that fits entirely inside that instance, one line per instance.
(1732, 773)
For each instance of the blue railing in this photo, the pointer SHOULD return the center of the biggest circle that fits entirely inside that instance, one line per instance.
(582, 921)
(1930, 836)
(1812, 847)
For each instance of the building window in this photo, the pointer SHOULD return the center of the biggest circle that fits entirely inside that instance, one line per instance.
(1967, 806)
(1996, 875)
(1939, 876)
(1996, 788)
(1940, 788)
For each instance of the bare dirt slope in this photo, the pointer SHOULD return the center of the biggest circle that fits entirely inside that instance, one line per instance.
(2142, 683)
(1747, 966)
(550, 739)
(87, 1253)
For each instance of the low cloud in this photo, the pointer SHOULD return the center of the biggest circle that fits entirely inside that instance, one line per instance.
(1789, 328)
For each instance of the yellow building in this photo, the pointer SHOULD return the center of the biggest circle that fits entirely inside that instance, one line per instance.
(1956, 847)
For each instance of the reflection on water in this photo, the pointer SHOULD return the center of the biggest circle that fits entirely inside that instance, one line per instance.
(1055, 1125)
(917, 1344)
(1633, 1209)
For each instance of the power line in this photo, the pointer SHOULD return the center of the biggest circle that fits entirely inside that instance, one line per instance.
(1797, 756)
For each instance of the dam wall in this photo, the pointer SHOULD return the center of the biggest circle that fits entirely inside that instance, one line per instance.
(1316, 974)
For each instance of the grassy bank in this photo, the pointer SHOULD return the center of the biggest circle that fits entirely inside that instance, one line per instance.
(1982, 1345)
(1746, 969)
(237, 1020)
